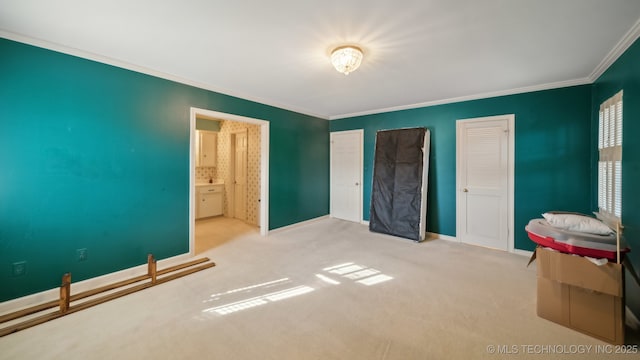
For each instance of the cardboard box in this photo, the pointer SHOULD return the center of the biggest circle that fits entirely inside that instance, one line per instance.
(574, 292)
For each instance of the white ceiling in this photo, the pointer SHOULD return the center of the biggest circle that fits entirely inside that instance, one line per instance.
(417, 52)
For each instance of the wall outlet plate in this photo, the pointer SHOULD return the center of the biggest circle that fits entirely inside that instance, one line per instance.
(19, 268)
(82, 254)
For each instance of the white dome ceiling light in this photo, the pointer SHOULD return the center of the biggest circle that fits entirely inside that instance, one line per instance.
(346, 59)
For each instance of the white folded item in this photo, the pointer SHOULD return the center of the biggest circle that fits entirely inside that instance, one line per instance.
(578, 223)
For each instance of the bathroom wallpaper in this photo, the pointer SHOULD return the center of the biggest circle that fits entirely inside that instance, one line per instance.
(253, 164)
(203, 174)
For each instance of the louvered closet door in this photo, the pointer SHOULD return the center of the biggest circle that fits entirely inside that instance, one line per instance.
(483, 183)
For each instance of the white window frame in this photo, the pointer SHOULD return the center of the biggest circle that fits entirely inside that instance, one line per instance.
(610, 161)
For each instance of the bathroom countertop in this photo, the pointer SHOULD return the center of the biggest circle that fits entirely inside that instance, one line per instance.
(206, 183)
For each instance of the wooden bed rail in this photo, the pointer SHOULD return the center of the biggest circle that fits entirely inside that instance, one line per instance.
(65, 302)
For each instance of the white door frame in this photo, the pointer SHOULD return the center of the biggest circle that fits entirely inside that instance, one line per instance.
(510, 173)
(264, 167)
(361, 166)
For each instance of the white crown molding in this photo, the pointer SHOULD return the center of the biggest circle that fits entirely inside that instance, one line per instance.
(141, 69)
(627, 40)
(526, 89)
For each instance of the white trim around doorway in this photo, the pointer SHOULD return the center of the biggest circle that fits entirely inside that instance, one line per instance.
(264, 166)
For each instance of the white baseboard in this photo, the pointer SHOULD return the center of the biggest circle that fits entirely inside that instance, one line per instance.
(84, 285)
(429, 235)
(526, 253)
(301, 223)
(433, 236)
(631, 320)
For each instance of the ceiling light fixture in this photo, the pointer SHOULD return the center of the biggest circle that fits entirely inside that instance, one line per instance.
(346, 59)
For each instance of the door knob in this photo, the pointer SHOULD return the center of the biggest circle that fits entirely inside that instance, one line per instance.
(465, 190)
(357, 184)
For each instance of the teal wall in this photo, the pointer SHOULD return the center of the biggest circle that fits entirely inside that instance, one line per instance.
(94, 156)
(552, 152)
(624, 74)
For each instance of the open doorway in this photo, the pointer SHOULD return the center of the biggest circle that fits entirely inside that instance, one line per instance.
(256, 200)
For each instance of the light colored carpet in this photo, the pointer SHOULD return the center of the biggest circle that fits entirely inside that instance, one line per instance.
(299, 294)
(215, 231)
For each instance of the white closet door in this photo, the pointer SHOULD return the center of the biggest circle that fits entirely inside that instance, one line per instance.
(346, 175)
(483, 176)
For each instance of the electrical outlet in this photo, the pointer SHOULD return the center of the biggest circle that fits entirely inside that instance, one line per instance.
(82, 254)
(19, 268)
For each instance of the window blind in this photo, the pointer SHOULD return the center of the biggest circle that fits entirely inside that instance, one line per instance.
(610, 159)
